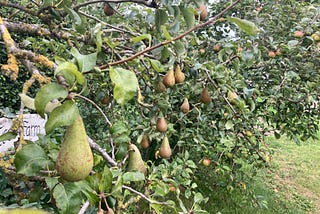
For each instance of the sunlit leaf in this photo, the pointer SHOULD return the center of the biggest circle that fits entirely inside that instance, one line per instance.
(85, 62)
(125, 84)
(63, 115)
(46, 94)
(245, 25)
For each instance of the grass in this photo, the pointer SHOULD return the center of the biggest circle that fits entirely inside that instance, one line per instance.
(290, 185)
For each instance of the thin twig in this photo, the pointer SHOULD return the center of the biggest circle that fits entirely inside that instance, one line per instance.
(102, 152)
(216, 86)
(210, 21)
(84, 207)
(144, 2)
(96, 106)
(143, 196)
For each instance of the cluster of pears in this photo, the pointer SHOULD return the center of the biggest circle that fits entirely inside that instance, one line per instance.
(173, 76)
(75, 158)
(165, 149)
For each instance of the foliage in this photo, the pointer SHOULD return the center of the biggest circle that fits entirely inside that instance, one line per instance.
(118, 62)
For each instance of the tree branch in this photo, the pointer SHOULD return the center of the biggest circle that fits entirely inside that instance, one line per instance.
(210, 21)
(143, 2)
(102, 152)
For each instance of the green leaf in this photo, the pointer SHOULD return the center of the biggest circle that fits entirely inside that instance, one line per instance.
(74, 15)
(51, 182)
(85, 62)
(188, 16)
(7, 136)
(68, 197)
(179, 48)
(60, 196)
(141, 37)
(106, 180)
(245, 25)
(117, 188)
(30, 159)
(229, 125)
(46, 94)
(133, 176)
(161, 18)
(156, 65)
(165, 32)
(70, 72)
(63, 115)
(125, 84)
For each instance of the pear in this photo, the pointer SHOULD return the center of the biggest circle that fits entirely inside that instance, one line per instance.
(179, 75)
(75, 159)
(168, 79)
(108, 10)
(202, 9)
(205, 97)
(162, 125)
(135, 161)
(185, 107)
(232, 97)
(145, 142)
(165, 150)
(160, 87)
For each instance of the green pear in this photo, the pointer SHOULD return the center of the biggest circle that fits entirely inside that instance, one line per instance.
(179, 76)
(75, 159)
(135, 161)
(165, 150)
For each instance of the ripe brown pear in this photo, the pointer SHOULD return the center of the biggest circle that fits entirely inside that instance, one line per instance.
(185, 107)
(108, 10)
(135, 161)
(145, 142)
(202, 9)
(168, 79)
(162, 125)
(165, 150)
(75, 159)
(205, 96)
(179, 76)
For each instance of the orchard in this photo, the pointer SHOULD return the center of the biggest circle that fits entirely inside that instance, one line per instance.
(142, 98)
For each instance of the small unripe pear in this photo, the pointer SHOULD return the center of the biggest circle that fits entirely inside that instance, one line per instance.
(232, 97)
(185, 107)
(165, 150)
(75, 159)
(135, 161)
(145, 142)
(179, 75)
(160, 87)
(205, 96)
(168, 79)
(162, 125)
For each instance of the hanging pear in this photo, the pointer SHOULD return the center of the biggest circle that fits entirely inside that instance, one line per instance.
(205, 97)
(168, 79)
(185, 107)
(135, 161)
(179, 76)
(75, 159)
(145, 142)
(232, 97)
(160, 87)
(165, 150)
(162, 125)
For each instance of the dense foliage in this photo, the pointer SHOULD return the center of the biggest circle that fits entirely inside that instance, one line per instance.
(250, 71)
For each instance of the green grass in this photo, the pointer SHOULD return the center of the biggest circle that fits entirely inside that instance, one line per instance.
(290, 185)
